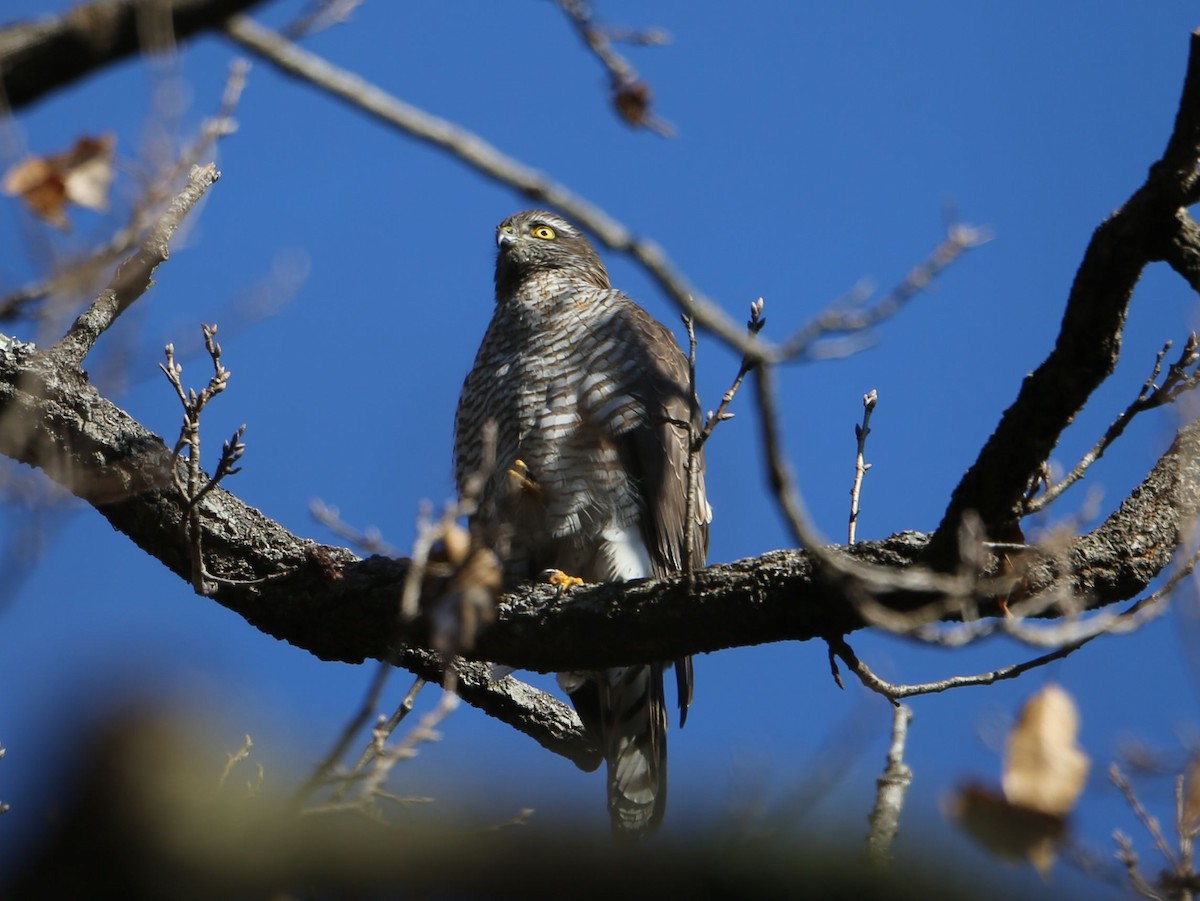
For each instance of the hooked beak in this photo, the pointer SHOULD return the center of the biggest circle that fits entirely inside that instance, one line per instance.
(505, 238)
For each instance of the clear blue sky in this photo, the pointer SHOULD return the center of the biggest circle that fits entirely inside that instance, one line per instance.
(817, 145)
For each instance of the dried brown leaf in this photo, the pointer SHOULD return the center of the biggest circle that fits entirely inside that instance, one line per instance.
(81, 175)
(1007, 830)
(1045, 769)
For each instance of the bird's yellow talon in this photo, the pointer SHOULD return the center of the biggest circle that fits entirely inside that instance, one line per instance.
(523, 480)
(560, 579)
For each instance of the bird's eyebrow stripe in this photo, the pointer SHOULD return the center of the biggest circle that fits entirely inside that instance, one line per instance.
(554, 222)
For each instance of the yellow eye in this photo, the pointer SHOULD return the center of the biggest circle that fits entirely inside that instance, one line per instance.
(545, 232)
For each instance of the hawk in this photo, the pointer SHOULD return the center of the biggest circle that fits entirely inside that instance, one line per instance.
(590, 399)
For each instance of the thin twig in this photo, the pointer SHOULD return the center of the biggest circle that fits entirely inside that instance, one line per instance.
(779, 471)
(853, 318)
(234, 759)
(1182, 376)
(1135, 615)
(146, 208)
(193, 490)
(477, 153)
(1147, 820)
(1128, 857)
(385, 729)
(754, 325)
(385, 757)
(427, 535)
(631, 95)
(134, 276)
(920, 624)
(1185, 829)
(860, 465)
(323, 772)
(891, 788)
(367, 541)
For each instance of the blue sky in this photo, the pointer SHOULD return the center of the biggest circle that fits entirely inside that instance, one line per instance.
(818, 144)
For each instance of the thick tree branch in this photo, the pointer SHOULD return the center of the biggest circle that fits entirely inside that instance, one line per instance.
(39, 57)
(1151, 226)
(328, 601)
(337, 606)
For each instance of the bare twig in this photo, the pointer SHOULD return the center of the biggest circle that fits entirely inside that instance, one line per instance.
(860, 465)
(134, 276)
(234, 759)
(472, 150)
(754, 325)
(1129, 619)
(384, 757)
(1181, 377)
(385, 729)
(1186, 828)
(891, 788)
(1147, 820)
(367, 541)
(852, 318)
(1128, 857)
(631, 95)
(323, 772)
(779, 471)
(920, 624)
(194, 489)
(895, 692)
(145, 210)
(424, 732)
(482, 156)
(427, 534)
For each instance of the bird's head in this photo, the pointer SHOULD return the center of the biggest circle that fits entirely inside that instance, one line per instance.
(536, 241)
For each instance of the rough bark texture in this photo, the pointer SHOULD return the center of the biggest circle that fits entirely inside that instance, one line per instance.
(1153, 225)
(340, 607)
(40, 57)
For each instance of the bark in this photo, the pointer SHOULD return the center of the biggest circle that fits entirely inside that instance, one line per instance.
(41, 56)
(337, 606)
(1151, 226)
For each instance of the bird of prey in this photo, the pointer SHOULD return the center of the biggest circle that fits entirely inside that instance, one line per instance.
(590, 400)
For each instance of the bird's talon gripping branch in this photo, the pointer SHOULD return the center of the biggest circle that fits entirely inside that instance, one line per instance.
(561, 580)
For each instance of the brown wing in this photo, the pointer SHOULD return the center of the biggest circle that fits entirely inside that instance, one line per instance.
(654, 449)
(654, 444)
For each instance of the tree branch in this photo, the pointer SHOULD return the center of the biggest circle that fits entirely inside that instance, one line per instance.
(44, 55)
(1147, 228)
(340, 607)
(134, 276)
(477, 153)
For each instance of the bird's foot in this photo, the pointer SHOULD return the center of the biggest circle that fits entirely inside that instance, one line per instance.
(523, 480)
(560, 579)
